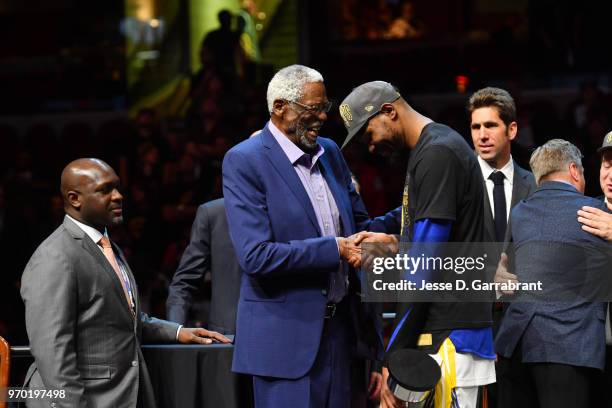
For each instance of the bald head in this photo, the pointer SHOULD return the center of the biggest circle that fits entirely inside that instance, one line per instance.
(81, 172)
(90, 188)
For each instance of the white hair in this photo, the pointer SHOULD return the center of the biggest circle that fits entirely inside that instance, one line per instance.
(288, 83)
(555, 155)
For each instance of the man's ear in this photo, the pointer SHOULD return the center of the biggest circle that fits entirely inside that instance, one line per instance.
(278, 107)
(74, 199)
(389, 110)
(512, 129)
(574, 171)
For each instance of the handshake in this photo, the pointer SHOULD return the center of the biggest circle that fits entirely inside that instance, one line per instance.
(351, 247)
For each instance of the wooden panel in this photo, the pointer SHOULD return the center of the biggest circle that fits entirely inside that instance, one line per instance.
(5, 365)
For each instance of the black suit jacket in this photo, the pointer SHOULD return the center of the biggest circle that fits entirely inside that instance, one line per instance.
(210, 250)
(523, 184)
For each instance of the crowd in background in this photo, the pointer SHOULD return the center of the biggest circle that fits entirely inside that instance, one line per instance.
(380, 21)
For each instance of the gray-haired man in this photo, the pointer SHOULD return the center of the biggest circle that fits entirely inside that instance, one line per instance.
(549, 350)
(290, 201)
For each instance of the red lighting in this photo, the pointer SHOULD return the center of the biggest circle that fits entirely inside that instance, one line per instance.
(462, 82)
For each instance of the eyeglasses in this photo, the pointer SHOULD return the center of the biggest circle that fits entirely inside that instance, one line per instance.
(314, 109)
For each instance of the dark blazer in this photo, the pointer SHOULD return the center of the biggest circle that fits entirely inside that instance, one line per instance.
(286, 261)
(210, 250)
(523, 184)
(544, 228)
(83, 336)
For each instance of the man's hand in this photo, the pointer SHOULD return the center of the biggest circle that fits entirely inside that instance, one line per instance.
(382, 245)
(200, 336)
(596, 222)
(350, 251)
(503, 276)
(387, 399)
(375, 386)
(375, 238)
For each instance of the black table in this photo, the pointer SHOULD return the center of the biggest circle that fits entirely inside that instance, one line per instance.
(185, 376)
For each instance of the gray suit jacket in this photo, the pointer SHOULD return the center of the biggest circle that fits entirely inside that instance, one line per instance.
(550, 245)
(210, 250)
(83, 336)
(523, 184)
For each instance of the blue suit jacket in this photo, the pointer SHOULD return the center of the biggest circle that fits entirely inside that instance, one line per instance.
(570, 332)
(285, 259)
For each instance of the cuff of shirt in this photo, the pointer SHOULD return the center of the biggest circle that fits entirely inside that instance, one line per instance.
(338, 245)
(178, 331)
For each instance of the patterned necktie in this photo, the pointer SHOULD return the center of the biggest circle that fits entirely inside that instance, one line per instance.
(499, 203)
(110, 256)
(405, 223)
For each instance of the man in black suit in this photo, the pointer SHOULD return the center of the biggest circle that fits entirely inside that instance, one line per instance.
(493, 127)
(209, 251)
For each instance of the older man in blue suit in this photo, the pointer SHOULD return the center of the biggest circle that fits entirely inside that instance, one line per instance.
(290, 201)
(549, 350)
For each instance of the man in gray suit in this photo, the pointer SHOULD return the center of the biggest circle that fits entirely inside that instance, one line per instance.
(210, 250)
(550, 350)
(83, 314)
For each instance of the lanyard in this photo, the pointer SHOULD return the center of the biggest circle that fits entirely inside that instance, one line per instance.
(128, 286)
